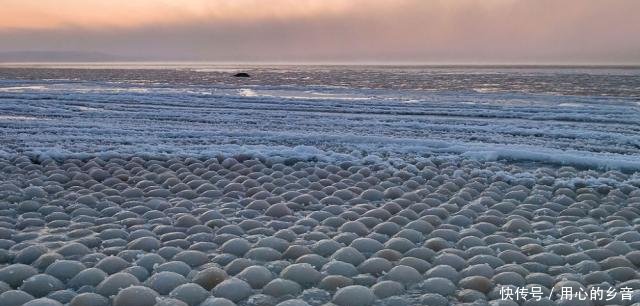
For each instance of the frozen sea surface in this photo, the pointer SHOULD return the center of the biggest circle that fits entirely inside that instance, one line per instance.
(310, 186)
(585, 117)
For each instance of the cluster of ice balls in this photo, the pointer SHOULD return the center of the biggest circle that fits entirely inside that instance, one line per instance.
(243, 231)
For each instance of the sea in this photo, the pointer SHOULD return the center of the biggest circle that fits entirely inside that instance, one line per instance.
(582, 116)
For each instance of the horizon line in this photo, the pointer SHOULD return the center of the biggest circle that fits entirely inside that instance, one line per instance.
(9, 64)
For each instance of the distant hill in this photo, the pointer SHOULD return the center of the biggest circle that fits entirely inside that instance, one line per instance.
(57, 56)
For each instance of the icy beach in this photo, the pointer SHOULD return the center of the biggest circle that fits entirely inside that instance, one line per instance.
(318, 185)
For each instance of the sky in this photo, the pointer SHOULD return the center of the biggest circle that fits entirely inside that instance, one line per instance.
(331, 31)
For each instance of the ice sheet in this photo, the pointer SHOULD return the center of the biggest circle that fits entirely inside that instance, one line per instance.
(520, 115)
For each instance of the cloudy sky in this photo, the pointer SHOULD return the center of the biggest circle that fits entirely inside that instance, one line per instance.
(412, 31)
